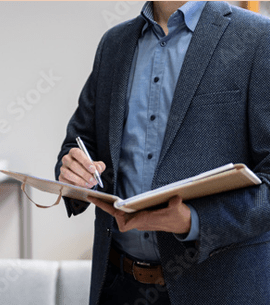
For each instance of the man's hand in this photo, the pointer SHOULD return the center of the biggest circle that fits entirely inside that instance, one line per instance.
(78, 170)
(175, 218)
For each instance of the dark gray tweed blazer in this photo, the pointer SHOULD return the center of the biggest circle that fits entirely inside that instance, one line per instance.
(220, 114)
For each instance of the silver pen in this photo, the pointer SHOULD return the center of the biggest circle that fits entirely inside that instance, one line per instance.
(83, 148)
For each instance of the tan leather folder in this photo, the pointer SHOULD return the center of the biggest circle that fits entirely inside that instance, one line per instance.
(222, 179)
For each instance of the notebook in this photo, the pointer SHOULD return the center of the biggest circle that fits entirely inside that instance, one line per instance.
(225, 178)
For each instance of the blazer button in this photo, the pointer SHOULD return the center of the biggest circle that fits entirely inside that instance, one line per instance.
(109, 232)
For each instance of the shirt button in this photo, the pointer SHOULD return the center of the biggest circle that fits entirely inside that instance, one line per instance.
(146, 235)
(152, 117)
(156, 79)
(150, 156)
(163, 43)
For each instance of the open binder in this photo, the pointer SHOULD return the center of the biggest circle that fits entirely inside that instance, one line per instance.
(225, 178)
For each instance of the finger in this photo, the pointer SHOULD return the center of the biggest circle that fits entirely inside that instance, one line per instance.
(156, 220)
(175, 200)
(137, 220)
(68, 176)
(181, 211)
(74, 172)
(77, 170)
(107, 207)
(80, 156)
(177, 206)
(100, 166)
(146, 221)
(63, 179)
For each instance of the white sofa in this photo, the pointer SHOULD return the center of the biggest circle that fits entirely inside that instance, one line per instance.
(40, 282)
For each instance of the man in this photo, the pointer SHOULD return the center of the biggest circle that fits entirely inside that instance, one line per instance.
(179, 90)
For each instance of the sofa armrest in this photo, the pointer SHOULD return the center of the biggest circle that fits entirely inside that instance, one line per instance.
(73, 286)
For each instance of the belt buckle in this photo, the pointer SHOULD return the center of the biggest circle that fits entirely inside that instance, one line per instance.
(136, 263)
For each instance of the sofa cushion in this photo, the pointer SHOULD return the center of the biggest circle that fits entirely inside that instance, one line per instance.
(24, 281)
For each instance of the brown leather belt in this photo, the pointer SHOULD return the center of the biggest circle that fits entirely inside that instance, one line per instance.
(142, 272)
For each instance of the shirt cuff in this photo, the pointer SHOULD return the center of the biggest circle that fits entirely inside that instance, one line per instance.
(194, 228)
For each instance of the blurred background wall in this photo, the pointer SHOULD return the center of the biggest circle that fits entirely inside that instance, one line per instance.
(47, 50)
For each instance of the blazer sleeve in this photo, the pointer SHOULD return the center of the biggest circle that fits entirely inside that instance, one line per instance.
(229, 219)
(82, 123)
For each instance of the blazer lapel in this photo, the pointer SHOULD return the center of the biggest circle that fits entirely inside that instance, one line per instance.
(206, 36)
(123, 61)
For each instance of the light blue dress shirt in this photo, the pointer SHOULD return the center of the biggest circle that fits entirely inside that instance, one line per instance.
(154, 73)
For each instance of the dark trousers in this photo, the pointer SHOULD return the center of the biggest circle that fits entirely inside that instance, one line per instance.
(121, 288)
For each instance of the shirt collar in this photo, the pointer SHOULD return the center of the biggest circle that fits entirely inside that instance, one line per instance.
(191, 11)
